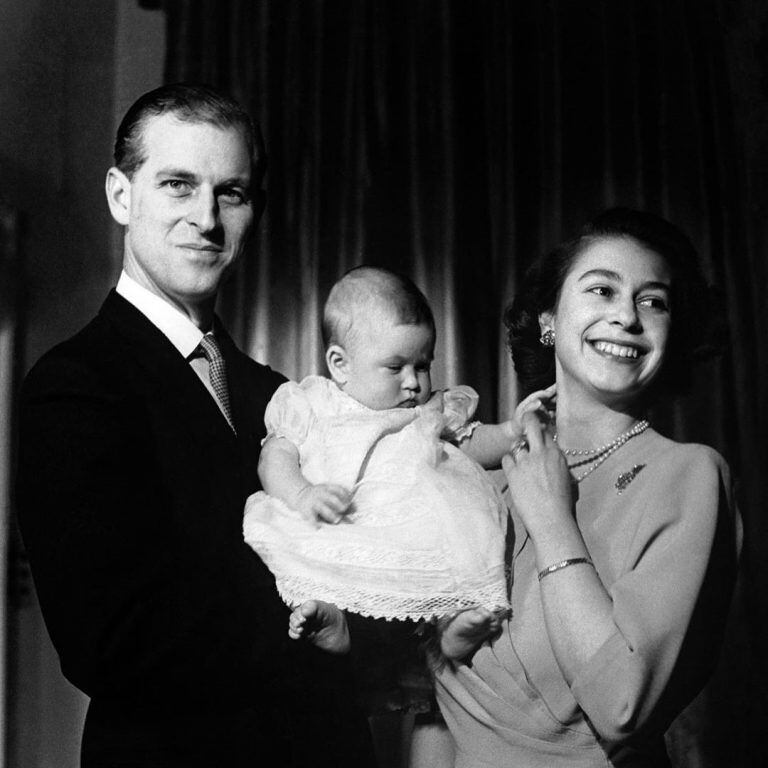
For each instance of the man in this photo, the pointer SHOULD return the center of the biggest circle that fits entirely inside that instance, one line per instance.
(139, 440)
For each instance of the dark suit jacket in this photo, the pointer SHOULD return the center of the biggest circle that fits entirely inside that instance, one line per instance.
(130, 493)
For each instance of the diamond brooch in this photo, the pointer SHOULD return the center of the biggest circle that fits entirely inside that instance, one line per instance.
(625, 478)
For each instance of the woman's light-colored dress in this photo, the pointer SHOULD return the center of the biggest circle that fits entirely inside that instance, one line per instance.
(425, 532)
(659, 523)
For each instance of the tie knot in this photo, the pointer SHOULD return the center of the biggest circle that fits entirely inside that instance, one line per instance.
(210, 348)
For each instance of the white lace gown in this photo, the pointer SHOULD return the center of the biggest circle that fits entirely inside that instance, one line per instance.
(425, 532)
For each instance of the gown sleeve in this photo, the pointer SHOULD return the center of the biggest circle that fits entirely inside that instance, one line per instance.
(289, 414)
(459, 406)
(670, 602)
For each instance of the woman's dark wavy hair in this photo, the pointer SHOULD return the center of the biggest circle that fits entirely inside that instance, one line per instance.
(691, 332)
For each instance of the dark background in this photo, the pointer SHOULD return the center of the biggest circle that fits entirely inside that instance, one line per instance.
(452, 140)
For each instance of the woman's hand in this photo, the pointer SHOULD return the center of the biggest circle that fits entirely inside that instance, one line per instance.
(541, 403)
(540, 484)
(577, 608)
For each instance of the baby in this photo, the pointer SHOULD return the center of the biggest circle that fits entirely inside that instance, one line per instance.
(375, 499)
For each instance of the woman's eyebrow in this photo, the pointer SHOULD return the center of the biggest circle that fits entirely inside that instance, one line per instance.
(609, 274)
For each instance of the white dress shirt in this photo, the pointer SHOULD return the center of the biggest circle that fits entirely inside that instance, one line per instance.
(175, 326)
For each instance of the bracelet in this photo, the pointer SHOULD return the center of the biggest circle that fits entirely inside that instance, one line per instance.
(564, 564)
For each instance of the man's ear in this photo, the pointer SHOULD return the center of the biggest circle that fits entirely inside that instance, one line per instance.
(118, 189)
(547, 321)
(337, 360)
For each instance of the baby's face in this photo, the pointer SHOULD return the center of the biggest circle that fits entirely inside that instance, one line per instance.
(389, 365)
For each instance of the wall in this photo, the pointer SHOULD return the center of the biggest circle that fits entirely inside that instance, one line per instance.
(68, 68)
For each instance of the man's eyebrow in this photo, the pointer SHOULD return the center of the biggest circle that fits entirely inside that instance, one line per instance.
(182, 175)
(235, 181)
(177, 173)
(656, 284)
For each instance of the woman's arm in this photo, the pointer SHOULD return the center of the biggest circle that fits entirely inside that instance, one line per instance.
(638, 647)
(577, 608)
(281, 477)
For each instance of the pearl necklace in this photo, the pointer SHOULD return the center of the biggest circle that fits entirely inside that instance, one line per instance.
(599, 455)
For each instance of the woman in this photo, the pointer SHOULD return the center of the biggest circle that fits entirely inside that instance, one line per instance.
(625, 545)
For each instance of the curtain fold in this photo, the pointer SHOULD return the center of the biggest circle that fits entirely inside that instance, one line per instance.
(455, 141)
(10, 303)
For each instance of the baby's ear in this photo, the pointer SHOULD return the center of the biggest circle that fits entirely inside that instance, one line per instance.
(337, 360)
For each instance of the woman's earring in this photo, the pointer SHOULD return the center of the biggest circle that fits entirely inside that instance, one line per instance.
(548, 338)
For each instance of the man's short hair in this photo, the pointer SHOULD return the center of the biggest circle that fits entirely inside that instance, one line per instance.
(365, 290)
(188, 103)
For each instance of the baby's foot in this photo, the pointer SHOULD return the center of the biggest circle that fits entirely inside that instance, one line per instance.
(463, 634)
(321, 624)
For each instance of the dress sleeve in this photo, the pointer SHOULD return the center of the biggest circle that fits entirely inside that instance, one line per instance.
(670, 602)
(289, 413)
(459, 406)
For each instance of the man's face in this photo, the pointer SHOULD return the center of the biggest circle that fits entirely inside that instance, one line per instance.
(188, 209)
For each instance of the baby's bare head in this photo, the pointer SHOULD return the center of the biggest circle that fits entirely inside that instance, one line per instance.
(367, 297)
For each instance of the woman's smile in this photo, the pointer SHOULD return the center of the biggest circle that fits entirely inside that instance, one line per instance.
(622, 352)
(611, 321)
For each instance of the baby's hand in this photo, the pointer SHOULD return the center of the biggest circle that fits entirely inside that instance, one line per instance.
(321, 624)
(435, 402)
(463, 634)
(324, 502)
(541, 402)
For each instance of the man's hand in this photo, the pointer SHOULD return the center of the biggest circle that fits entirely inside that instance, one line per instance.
(321, 624)
(324, 502)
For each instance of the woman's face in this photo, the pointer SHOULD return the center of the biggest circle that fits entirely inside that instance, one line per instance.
(611, 322)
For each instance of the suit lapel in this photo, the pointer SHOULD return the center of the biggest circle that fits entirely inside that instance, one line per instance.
(166, 372)
(240, 380)
(248, 396)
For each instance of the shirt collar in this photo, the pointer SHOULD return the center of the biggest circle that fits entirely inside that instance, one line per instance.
(179, 329)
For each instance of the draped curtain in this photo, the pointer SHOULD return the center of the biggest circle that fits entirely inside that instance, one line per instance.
(10, 305)
(455, 141)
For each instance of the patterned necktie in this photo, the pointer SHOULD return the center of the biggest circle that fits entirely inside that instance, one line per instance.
(217, 374)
